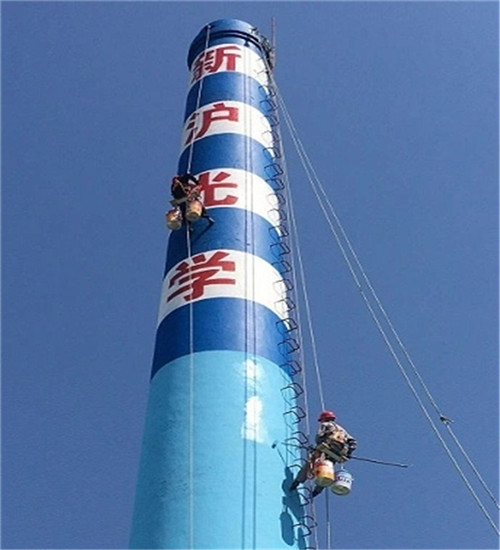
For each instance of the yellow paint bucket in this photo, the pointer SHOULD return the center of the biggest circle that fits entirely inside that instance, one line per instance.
(323, 473)
(193, 210)
(174, 219)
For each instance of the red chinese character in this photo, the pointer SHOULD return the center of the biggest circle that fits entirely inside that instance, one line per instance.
(211, 186)
(191, 127)
(197, 69)
(219, 111)
(202, 272)
(212, 60)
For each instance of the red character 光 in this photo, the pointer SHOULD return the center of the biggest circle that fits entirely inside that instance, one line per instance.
(218, 182)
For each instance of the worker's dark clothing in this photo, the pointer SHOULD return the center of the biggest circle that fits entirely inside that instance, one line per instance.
(182, 187)
(336, 439)
(185, 188)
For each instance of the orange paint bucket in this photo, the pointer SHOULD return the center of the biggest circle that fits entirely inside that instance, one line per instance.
(174, 219)
(324, 474)
(193, 210)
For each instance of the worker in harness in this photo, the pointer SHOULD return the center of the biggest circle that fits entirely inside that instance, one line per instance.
(336, 442)
(333, 443)
(185, 190)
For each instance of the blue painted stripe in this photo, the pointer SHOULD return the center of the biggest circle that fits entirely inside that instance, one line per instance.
(227, 86)
(224, 31)
(220, 324)
(228, 150)
(233, 229)
(222, 39)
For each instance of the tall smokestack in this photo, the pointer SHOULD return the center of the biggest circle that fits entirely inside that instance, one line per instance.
(222, 416)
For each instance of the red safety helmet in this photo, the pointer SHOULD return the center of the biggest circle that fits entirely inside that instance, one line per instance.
(326, 415)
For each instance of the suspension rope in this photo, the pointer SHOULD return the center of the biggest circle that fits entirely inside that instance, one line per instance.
(313, 344)
(191, 403)
(318, 190)
(328, 527)
(248, 131)
(248, 314)
(249, 424)
(301, 281)
(305, 295)
(198, 101)
(191, 336)
(302, 373)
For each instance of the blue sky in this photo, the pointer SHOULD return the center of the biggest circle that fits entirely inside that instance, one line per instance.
(397, 106)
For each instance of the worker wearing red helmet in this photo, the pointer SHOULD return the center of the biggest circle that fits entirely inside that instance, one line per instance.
(333, 443)
(336, 439)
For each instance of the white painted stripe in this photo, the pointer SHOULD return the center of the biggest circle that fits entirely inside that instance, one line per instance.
(235, 188)
(223, 273)
(229, 58)
(227, 117)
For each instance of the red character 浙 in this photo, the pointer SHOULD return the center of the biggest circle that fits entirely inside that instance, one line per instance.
(213, 60)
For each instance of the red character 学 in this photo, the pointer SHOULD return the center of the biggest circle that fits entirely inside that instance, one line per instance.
(191, 279)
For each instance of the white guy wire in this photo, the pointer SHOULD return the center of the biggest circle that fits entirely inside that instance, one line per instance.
(316, 184)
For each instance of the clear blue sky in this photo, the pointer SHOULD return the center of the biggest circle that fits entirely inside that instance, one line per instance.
(397, 106)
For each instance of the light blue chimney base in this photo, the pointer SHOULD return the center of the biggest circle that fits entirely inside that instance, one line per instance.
(241, 498)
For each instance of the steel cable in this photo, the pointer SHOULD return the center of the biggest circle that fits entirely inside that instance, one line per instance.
(318, 190)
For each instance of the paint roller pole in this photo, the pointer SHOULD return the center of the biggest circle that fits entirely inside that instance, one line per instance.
(383, 462)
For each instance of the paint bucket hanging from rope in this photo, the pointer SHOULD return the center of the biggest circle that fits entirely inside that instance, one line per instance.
(323, 473)
(174, 219)
(193, 210)
(343, 482)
